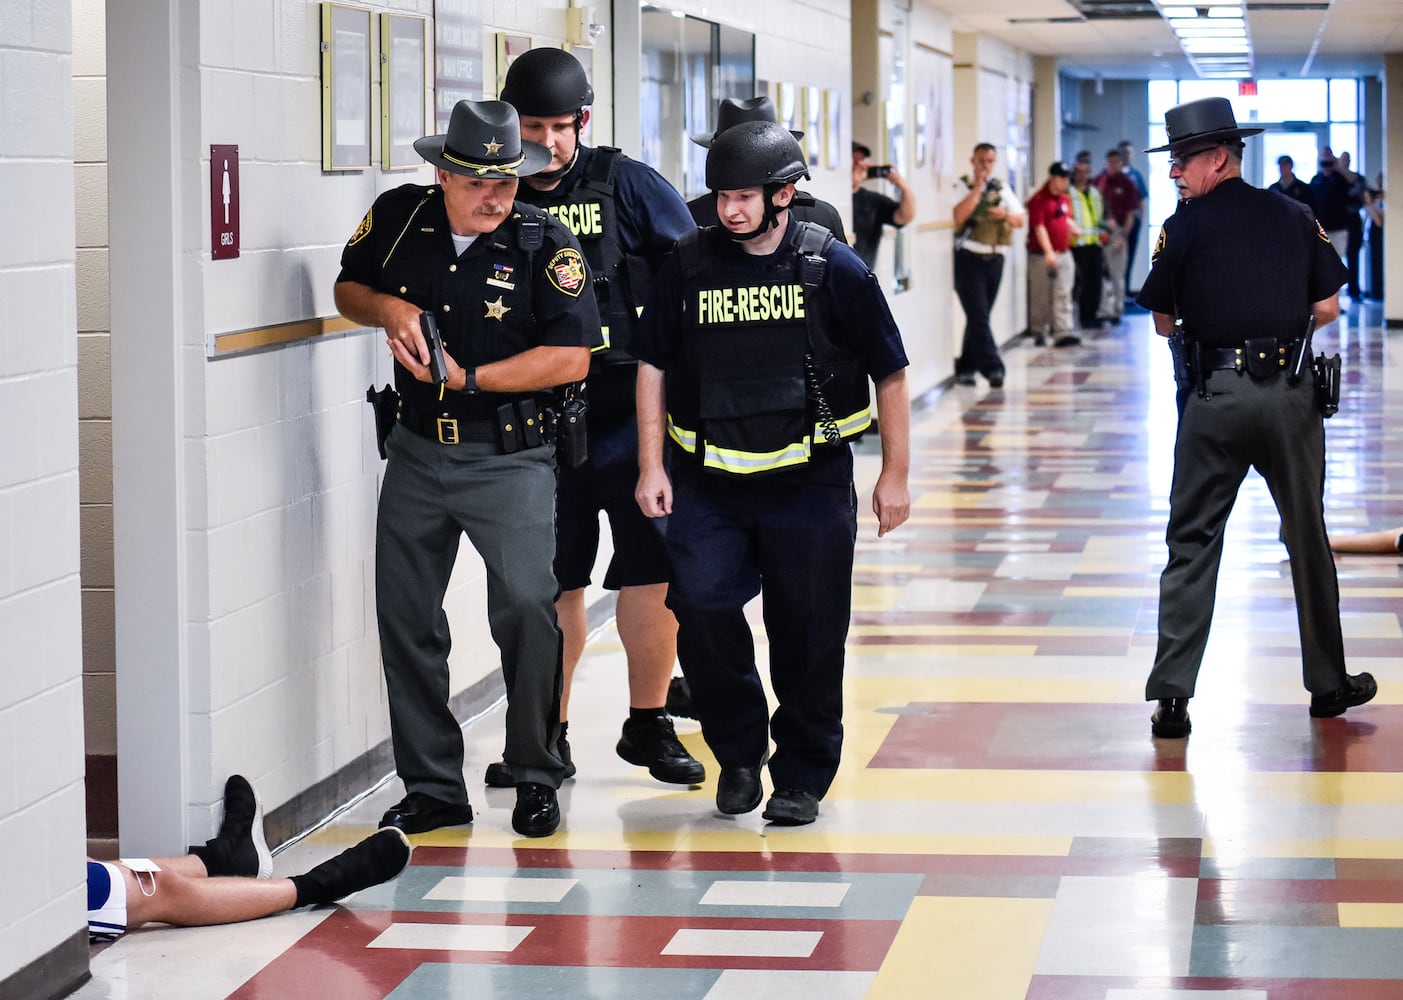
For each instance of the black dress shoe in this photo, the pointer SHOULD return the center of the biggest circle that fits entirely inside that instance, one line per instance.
(653, 743)
(791, 807)
(1171, 719)
(537, 812)
(1357, 689)
(996, 379)
(499, 773)
(738, 790)
(964, 378)
(420, 813)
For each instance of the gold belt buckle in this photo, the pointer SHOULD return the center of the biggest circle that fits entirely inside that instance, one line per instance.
(447, 430)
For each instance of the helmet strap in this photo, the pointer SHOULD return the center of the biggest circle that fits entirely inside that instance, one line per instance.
(768, 220)
(552, 176)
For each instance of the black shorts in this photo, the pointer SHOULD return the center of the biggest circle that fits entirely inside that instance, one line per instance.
(606, 482)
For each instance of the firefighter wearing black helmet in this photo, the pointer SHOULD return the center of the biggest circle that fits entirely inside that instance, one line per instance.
(754, 358)
(627, 218)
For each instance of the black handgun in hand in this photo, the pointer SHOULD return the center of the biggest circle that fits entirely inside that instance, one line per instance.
(438, 371)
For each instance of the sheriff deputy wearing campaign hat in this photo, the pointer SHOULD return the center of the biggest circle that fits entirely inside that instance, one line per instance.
(804, 208)
(515, 311)
(1247, 273)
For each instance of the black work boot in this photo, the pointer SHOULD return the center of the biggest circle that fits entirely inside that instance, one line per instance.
(240, 847)
(378, 858)
(652, 742)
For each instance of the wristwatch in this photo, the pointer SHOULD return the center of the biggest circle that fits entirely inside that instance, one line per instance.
(469, 381)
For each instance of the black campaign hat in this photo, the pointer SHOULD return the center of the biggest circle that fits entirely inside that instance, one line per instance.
(1207, 120)
(731, 112)
(484, 140)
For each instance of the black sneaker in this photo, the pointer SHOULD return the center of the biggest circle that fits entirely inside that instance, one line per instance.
(499, 773)
(791, 807)
(964, 378)
(679, 699)
(653, 743)
(378, 858)
(240, 847)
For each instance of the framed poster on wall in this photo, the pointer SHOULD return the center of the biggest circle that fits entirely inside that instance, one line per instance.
(345, 87)
(833, 129)
(508, 48)
(402, 84)
(813, 126)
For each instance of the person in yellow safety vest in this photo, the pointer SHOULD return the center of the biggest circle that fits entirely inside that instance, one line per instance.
(754, 354)
(1089, 214)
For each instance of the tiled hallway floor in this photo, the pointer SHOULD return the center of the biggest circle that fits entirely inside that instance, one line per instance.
(1004, 827)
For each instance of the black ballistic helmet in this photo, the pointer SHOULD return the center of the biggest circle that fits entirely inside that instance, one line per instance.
(754, 154)
(547, 83)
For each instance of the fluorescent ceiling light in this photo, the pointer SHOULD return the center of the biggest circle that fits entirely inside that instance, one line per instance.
(1205, 24)
(1194, 48)
(1210, 33)
(1225, 11)
(1176, 12)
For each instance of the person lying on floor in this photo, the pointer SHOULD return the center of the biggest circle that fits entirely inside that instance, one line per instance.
(1388, 542)
(229, 879)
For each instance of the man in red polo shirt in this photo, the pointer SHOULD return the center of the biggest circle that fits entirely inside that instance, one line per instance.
(1122, 198)
(1051, 270)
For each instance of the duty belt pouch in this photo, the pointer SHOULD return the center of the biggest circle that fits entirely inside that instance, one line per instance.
(532, 423)
(385, 404)
(1262, 356)
(508, 428)
(1327, 384)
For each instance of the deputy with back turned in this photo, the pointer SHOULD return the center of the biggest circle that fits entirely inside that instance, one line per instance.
(627, 218)
(1248, 273)
(755, 354)
(515, 314)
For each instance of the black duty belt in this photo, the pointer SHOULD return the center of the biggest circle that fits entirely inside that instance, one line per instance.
(448, 430)
(1258, 356)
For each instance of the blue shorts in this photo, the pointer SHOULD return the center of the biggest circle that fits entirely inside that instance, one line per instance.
(107, 901)
(606, 482)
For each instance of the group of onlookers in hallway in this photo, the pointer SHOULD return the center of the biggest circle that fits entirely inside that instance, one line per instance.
(1348, 209)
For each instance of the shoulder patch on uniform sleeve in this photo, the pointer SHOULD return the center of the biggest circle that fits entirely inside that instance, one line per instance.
(566, 271)
(1320, 231)
(1159, 246)
(362, 231)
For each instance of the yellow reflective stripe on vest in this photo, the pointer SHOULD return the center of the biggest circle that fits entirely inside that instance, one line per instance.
(745, 462)
(686, 440)
(854, 423)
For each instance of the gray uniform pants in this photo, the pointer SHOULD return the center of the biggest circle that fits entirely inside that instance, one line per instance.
(431, 495)
(1277, 429)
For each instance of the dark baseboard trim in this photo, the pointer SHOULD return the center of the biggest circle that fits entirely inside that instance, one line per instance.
(101, 790)
(1393, 324)
(56, 973)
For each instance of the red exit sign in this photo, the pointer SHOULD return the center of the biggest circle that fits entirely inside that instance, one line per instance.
(1246, 88)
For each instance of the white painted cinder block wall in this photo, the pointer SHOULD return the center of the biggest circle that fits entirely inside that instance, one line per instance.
(41, 715)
